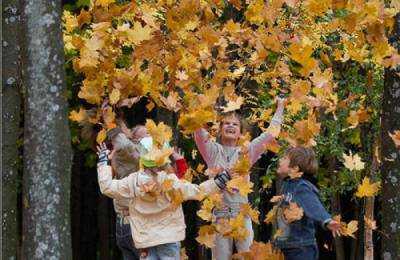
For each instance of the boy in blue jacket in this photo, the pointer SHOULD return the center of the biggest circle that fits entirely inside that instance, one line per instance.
(299, 208)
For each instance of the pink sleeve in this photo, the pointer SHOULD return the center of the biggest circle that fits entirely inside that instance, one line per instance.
(258, 145)
(207, 147)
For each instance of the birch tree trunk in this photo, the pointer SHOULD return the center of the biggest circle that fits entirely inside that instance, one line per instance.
(11, 109)
(391, 159)
(47, 148)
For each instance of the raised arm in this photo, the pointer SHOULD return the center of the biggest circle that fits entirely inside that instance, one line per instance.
(117, 189)
(258, 145)
(192, 191)
(206, 146)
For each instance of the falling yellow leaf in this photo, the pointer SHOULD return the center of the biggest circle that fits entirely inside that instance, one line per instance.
(205, 212)
(371, 224)
(293, 212)
(353, 162)
(271, 215)
(78, 116)
(114, 96)
(347, 229)
(207, 236)
(101, 136)
(233, 105)
(395, 137)
(241, 184)
(161, 133)
(367, 189)
(246, 210)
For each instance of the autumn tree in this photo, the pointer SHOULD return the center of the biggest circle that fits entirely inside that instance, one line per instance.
(47, 148)
(192, 57)
(11, 109)
(391, 157)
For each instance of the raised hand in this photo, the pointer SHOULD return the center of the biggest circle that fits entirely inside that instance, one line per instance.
(177, 154)
(102, 152)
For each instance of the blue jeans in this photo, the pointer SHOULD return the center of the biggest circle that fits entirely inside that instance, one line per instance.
(170, 251)
(124, 240)
(301, 253)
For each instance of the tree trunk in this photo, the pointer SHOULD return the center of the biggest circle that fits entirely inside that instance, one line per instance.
(11, 109)
(47, 147)
(391, 159)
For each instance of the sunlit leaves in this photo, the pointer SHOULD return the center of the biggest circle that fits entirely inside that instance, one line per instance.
(395, 137)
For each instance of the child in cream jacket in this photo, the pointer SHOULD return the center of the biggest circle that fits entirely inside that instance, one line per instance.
(157, 224)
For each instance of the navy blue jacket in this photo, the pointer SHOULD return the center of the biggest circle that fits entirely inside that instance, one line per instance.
(301, 232)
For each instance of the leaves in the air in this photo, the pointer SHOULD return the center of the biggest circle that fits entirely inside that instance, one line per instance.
(353, 162)
(368, 188)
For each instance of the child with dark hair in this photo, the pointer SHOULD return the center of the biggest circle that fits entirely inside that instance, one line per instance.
(297, 234)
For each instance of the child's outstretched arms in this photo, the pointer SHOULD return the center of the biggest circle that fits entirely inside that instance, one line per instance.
(193, 191)
(257, 146)
(117, 189)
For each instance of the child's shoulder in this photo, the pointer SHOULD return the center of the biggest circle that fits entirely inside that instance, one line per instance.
(302, 184)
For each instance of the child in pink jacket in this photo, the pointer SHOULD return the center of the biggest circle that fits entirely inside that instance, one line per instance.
(157, 226)
(224, 155)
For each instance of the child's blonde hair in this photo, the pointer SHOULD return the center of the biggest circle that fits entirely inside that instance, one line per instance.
(304, 158)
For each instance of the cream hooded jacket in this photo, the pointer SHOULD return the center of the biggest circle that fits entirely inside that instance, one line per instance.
(153, 221)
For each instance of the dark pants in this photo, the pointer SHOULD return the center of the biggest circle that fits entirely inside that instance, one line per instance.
(301, 253)
(124, 240)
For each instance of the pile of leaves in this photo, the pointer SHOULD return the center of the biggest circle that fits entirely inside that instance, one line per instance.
(198, 57)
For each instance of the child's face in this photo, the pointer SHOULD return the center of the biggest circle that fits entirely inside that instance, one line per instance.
(283, 167)
(140, 133)
(230, 128)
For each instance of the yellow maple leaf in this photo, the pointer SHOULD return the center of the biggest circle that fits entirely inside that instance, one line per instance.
(271, 215)
(395, 137)
(92, 91)
(193, 120)
(349, 229)
(353, 162)
(206, 236)
(233, 105)
(367, 189)
(114, 96)
(293, 212)
(101, 136)
(247, 210)
(205, 211)
(370, 223)
(242, 165)
(78, 116)
(241, 184)
(172, 102)
(161, 133)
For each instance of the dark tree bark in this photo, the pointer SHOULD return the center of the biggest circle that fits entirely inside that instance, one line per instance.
(391, 159)
(11, 109)
(47, 147)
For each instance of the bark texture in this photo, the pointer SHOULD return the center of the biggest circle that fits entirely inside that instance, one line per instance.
(47, 148)
(391, 159)
(11, 109)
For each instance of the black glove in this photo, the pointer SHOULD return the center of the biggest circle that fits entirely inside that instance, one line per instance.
(221, 179)
(103, 155)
